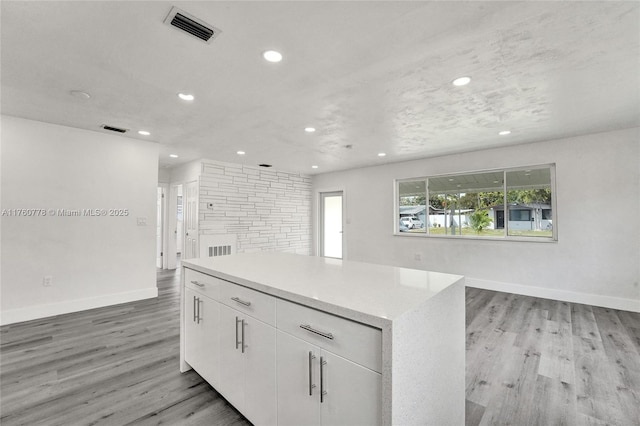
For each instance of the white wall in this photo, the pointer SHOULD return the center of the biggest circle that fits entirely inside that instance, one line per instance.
(94, 261)
(594, 261)
(164, 175)
(265, 209)
(187, 172)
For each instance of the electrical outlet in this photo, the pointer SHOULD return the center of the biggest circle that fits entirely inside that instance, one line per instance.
(417, 256)
(47, 281)
(142, 221)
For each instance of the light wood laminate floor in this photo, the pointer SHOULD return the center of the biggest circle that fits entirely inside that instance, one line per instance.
(529, 362)
(536, 361)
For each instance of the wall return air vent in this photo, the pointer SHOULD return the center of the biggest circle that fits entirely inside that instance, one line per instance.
(191, 25)
(114, 129)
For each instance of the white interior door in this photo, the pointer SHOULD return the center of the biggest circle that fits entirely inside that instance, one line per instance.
(190, 220)
(331, 206)
(173, 243)
(179, 221)
(159, 226)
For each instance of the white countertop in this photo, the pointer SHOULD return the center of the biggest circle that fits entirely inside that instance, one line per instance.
(369, 293)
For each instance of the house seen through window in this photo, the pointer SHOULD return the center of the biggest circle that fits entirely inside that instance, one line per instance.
(514, 203)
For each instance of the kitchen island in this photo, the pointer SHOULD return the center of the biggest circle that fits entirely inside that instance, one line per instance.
(292, 339)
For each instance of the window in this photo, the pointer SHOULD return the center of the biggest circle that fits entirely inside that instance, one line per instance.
(475, 205)
(517, 215)
(528, 195)
(412, 206)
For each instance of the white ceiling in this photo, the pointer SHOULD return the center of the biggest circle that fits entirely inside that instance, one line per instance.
(372, 75)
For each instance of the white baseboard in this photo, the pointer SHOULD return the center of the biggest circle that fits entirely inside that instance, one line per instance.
(619, 303)
(43, 311)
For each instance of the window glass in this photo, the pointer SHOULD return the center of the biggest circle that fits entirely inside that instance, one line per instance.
(529, 202)
(466, 205)
(519, 215)
(411, 206)
(511, 203)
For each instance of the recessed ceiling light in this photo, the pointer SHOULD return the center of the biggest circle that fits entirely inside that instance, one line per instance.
(504, 132)
(381, 154)
(186, 96)
(461, 81)
(173, 155)
(451, 179)
(314, 167)
(309, 129)
(496, 181)
(143, 133)
(272, 56)
(80, 94)
(240, 153)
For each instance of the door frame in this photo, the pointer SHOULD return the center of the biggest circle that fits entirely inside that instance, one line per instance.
(196, 217)
(172, 225)
(163, 223)
(319, 225)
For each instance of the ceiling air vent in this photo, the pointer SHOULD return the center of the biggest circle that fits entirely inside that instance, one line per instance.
(191, 25)
(114, 129)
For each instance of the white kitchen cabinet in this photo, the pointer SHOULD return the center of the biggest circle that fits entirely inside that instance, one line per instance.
(298, 385)
(353, 393)
(260, 372)
(317, 387)
(384, 344)
(231, 359)
(248, 359)
(201, 334)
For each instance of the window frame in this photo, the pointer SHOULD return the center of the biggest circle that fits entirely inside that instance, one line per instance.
(505, 236)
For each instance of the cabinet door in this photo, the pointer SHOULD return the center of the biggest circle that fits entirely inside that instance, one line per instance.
(200, 328)
(260, 372)
(353, 393)
(231, 359)
(209, 333)
(298, 382)
(194, 345)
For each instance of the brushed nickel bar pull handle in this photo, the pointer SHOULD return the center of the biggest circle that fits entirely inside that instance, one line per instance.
(195, 315)
(242, 336)
(240, 301)
(311, 385)
(199, 302)
(313, 330)
(322, 391)
(237, 341)
(197, 283)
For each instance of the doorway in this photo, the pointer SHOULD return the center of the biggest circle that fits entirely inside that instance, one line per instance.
(331, 225)
(173, 228)
(159, 226)
(190, 207)
(499, 219)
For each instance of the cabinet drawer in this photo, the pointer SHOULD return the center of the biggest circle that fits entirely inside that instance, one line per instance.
(259, 305)
(354, 341)
(202, 283)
